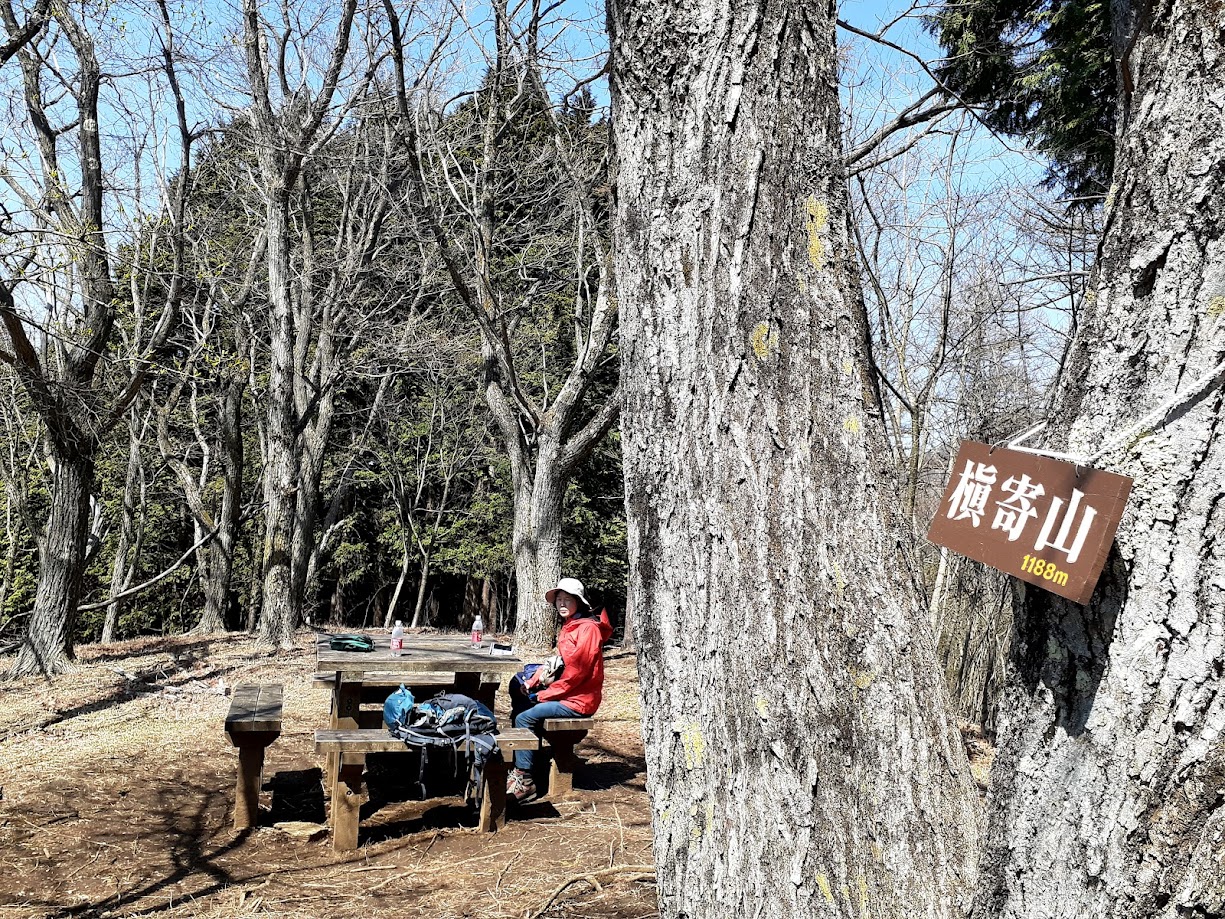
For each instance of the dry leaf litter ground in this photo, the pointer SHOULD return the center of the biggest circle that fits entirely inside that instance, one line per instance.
(116, 797)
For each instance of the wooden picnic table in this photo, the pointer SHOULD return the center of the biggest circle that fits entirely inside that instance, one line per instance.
(423, 654)
(437, 660)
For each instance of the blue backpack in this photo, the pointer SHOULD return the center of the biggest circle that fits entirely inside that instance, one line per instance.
(450, 721)
(398, 709)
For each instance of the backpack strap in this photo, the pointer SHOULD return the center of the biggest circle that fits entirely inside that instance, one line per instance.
(422, 759)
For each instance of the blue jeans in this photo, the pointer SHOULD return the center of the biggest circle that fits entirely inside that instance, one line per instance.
(532, 717)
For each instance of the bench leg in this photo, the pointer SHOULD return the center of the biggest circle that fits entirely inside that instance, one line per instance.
(493, 801)
(346, 709)
(564, 763)
(246, 797)
(347, 804)
(332, 785)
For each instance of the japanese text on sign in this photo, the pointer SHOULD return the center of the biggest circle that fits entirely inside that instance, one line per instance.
(1040, 519)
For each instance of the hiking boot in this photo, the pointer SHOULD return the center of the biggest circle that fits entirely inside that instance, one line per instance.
(520, 786)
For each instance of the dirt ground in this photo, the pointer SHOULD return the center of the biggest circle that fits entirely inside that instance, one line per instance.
(117, 786)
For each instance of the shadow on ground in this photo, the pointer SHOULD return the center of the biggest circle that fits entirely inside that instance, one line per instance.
(297, 794)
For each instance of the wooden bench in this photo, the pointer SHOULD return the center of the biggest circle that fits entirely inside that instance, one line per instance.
(563, 735)
(253, 722)
(350, 748)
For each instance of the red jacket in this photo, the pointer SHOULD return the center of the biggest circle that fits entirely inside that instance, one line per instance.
(581, 684)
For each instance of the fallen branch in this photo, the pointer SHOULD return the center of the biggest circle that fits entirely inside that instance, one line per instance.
(131, 591)
(638, 872)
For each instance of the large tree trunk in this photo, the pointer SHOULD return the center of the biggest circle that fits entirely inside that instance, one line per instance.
(536, 544)
(211, 619)
(47, 647)
(279, 614)
(1107, 794)
(799, 756)
(305, 558)
(307, 547)
(314, 404)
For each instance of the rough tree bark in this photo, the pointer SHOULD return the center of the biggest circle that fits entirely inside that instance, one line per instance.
(800, 759)
(1107, 794)
(539, 494)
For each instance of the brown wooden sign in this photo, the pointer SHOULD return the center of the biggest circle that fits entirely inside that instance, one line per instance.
(1045, 521)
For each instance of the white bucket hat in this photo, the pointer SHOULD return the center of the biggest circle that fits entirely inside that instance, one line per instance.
(572, 586)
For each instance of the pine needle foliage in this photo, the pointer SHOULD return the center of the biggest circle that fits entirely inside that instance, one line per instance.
(1045, 71)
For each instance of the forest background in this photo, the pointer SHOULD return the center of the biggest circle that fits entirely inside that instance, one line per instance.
(437, 334)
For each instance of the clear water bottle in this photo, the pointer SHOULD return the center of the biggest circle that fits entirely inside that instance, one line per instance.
(478, 629)
(397, 640)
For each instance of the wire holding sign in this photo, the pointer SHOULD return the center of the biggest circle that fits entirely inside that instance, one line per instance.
(1073, 511)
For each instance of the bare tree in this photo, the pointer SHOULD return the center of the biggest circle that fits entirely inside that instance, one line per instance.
(288, 116)
(65, 257)
(511, 243)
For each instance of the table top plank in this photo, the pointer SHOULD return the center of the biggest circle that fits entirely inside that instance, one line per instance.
(377, 678)
(242, 702)
(422, 654)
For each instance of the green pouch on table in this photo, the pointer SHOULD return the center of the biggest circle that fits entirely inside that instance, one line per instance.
(351, 643)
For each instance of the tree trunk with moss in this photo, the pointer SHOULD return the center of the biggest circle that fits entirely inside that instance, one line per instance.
(1106, 798)
(800, 758)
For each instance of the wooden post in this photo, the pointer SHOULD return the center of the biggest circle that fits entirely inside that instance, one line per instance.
(493, 801)
(564, 763)
(246, 800)
(347, 802)
(346, 709)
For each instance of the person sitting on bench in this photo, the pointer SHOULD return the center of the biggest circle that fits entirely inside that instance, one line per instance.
(575, 692)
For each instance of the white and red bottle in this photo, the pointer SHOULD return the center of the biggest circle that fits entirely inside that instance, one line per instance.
(397, 640)
(478, 629)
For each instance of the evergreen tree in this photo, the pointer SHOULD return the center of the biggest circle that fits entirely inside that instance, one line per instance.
(1045, 70)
